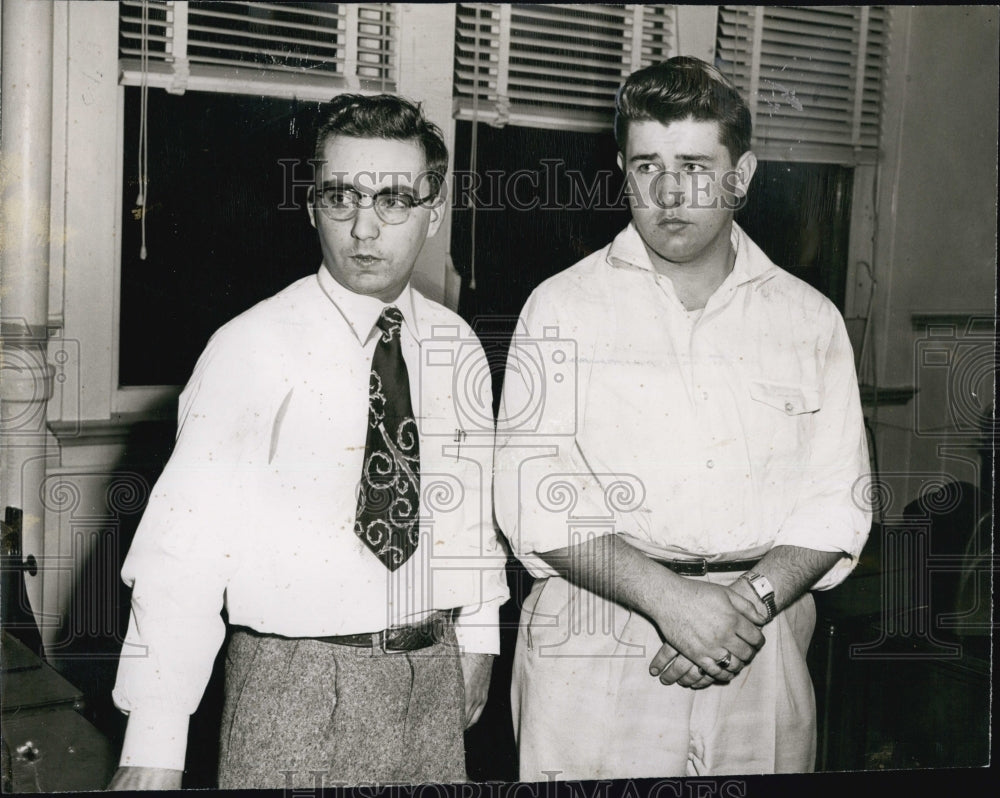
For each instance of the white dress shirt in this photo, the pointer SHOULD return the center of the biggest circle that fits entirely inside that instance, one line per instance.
(255, 509)
(717, 434)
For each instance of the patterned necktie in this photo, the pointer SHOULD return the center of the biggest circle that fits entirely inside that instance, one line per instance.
(389, 494)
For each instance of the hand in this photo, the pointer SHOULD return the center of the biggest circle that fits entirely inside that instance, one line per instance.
(703, 622)
(674, 668)
(130, 778)
(742, 588)
(476, 671)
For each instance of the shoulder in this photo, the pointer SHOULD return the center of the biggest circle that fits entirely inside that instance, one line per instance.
(787, 295)
(244, 346)
(579, 291)
(432, 314)
(289, 308)
(579, 281)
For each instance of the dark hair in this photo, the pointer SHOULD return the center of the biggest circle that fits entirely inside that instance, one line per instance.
(385, 116)
(679, 88)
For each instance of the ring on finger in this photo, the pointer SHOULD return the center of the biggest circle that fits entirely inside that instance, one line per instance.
(726, 661)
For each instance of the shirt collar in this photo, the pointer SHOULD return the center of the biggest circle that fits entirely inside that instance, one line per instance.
(627, 251)
(361, 311)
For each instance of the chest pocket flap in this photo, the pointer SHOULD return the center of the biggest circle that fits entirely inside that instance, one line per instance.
(791, 400)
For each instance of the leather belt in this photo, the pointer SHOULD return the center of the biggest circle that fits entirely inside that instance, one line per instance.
(700, 567)
(397, 638)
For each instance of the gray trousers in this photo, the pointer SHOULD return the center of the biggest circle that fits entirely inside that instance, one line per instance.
(300, 713)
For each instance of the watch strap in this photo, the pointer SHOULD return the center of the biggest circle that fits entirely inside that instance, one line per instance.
(762, 587)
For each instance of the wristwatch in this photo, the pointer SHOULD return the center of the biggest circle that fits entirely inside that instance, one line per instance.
(762, 587)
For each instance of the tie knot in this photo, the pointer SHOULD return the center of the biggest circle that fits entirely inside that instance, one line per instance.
(389, 321)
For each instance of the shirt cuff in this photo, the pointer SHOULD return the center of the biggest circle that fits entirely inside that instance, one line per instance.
(477, 629)
(155, 740)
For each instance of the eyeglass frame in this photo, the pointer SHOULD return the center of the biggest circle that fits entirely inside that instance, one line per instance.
(374, 195)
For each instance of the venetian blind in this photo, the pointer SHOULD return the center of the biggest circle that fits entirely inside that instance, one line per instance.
(304, 50)
(813, 75)
(543, 65)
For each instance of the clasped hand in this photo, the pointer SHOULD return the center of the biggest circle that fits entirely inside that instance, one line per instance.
(703, 626)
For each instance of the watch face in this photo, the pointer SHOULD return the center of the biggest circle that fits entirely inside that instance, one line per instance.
(761, 584)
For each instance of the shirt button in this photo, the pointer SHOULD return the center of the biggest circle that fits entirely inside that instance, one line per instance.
(710, 464)
(704, 395)
(789, 407)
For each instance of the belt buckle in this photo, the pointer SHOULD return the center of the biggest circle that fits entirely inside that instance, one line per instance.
(380, 642)
(701, 565)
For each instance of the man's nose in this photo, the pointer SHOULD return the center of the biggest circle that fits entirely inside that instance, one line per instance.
(366, 223)
(669, 190)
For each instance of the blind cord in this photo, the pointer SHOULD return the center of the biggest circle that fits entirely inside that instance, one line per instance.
(474, 147)
(143, 157)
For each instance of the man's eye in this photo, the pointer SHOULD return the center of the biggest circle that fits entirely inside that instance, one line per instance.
(395, 201)
(647, 168)
(338, 198)
(694, 167)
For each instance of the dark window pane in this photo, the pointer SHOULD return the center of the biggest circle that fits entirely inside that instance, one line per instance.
(217, 237)
(800, 215)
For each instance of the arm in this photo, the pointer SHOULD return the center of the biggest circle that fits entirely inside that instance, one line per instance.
(477, 624)
(818, 544)
(476, 672)
(791, 570)
(543, 479)
(832, 513)
(477, 631)
(178, 566)
(132, 778)
(700, 620)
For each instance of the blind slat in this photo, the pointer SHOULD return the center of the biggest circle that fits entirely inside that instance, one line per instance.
(310, 44)
(207, 16)
(564, 60)
(306, 39)
(571, 14)
(818, 73)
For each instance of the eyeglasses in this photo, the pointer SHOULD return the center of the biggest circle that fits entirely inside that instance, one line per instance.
(392, 207)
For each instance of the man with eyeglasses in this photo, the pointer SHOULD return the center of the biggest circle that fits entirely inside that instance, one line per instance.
(309, 496)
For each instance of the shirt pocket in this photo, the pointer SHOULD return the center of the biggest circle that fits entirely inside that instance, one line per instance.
(781, 425)
(789, 399)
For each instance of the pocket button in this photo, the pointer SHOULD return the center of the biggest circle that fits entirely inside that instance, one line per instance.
(789, 407)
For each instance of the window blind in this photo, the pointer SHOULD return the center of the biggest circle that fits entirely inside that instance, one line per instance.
(304, 50)
(544, 65)
(812, 75)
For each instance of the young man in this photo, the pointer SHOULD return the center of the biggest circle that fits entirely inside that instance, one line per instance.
(303, 495)
(697, 479)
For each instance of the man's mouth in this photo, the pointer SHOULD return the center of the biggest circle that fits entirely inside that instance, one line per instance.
(365, 260)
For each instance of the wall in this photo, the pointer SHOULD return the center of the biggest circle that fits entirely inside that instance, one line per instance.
(935, 256)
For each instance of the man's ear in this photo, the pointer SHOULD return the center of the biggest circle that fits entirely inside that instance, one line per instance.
(745, 168)
(310, 196)
(437, 214)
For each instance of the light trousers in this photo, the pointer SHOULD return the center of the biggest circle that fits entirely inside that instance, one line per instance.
(586, 707)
